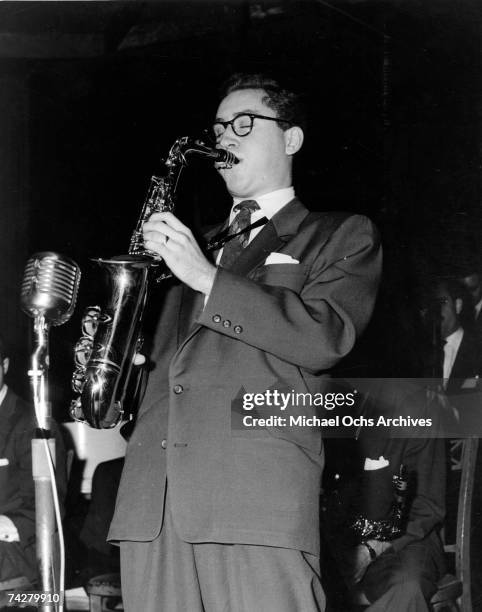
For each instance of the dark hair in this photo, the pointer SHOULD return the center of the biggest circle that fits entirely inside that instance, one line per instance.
(287, 104)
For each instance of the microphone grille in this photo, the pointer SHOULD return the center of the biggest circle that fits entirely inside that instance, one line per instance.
(49, 287)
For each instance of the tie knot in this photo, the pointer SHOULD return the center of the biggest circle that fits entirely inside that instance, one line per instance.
(250, 205)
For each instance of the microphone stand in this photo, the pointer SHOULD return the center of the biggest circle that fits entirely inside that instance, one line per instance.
(44, 507)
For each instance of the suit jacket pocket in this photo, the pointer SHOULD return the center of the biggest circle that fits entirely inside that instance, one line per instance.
(307, 438)
(291, 276)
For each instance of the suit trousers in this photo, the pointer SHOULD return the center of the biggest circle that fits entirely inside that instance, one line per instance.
(17, 560)
(405, 580)
(171, 575)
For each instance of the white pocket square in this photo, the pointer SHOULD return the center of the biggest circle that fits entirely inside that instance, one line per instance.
(280, 258)
(4, 461)
(375, 464)
(470, 383)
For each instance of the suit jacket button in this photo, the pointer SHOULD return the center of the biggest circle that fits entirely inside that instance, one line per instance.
(217, 318)
(227, 323)
(164, 444)
(237, 329)
(178, 389)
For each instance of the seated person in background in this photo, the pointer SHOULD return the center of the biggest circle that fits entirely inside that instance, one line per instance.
(472, 281)
(462, 367)
(17, 493)
(384, 537)
(458, 351)
(462, 357)
(102, 557)
(88, 520)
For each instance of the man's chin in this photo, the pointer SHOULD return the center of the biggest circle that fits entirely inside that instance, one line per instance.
(233, 185)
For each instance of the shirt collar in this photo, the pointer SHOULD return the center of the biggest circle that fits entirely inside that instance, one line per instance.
(3, 393)
(455, 338)
(269, 203)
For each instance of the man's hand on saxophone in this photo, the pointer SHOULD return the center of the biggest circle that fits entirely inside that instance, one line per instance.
(174, 242)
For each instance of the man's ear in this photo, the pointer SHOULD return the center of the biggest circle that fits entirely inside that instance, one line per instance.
(458, 305)
(293, 139)
(6, 363)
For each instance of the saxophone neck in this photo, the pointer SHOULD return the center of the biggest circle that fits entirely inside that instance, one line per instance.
(186, 147)
(161, 194)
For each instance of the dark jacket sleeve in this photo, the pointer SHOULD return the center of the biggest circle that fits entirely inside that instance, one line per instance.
(426, 458)
(425, 461)
(419, 449)
(318, 326)
(22, 510)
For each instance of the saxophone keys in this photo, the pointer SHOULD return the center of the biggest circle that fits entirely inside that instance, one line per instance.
(91, 320)
(76, 412)
(83, 350)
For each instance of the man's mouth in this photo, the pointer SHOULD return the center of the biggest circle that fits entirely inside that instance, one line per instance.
(225, 166)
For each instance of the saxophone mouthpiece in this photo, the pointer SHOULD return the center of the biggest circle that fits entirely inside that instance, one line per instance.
(189, 147)
(226, 157)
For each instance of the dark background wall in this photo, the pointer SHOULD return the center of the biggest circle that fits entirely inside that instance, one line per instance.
(93, 94)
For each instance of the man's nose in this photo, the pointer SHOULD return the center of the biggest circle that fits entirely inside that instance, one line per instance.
(228, 137)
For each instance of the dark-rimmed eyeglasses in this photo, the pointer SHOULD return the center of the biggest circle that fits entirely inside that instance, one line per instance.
(241, 124)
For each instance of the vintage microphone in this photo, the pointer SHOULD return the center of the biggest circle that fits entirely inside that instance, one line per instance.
(49, 287)
(48, 295)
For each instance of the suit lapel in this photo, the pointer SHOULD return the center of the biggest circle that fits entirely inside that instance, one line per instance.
(464, 366)
(466, 363)
(478, 326)
(7, 411)
(258, 250)
(270, 239)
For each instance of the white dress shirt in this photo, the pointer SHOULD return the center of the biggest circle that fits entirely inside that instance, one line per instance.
(451, 348)
(478, 308)
(3, 393)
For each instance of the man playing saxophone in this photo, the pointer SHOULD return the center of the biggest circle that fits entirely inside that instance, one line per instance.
(211, 515)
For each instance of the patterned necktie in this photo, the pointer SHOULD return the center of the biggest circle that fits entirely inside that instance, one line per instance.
(233, 249)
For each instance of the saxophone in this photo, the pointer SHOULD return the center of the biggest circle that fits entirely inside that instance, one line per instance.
(111, 335)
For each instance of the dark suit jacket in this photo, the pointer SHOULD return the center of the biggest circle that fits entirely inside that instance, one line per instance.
(478, 326)
(466, 400)
(17, 492)
(468, 362)
(421, 450)
(278, 326)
